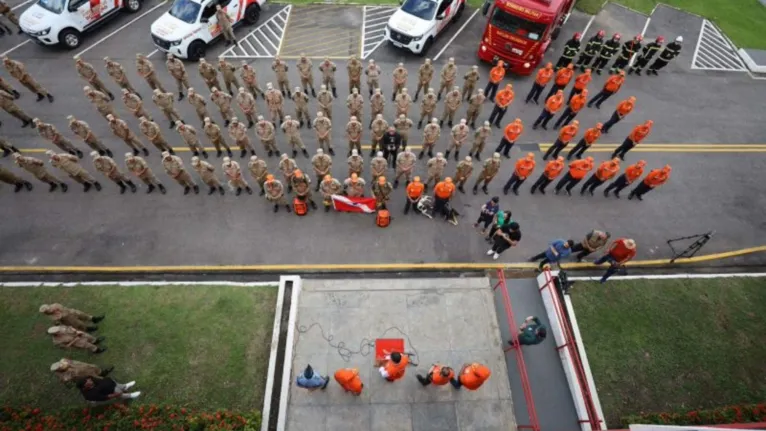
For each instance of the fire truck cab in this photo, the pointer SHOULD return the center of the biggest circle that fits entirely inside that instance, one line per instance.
(520, 31)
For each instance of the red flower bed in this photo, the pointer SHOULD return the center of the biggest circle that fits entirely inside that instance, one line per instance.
(118, 417)
(723, 415)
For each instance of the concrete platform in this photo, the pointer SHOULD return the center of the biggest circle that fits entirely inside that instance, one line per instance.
(671, 23)
(451, 321)
(614, 18)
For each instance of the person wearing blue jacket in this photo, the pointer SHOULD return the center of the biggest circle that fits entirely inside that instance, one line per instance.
(558, 250)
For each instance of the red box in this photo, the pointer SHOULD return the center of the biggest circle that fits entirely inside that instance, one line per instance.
(389, 345)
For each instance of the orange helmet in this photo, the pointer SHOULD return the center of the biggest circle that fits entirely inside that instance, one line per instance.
(298, 173)
(269, 177)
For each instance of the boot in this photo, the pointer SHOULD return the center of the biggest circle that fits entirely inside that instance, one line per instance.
(326, 208)
(111, 96)
(146, 152)
(150, 189)
(460, 188)
(109, 153)
(100, 350)
(420, 156)
(305, 153)
(239, 191)
(163, 190)
(243, 153)
(228, 152)
(332, 152)
(86, 187)
(26, 123)
(105, 372)
(64, 187)
(170, 150)
(18, 187)
(271, 153)
(606, 193)
(122, 187)
(532, 191)
(276, 208)
(53, 187)
(515, 191)
(295, 153)
(372, 153)
(287, 207)
(430, 153)
(441, 123)
(316, 189)
(16, 94)
(313, 204)
(204, 154)
(457, 154)
(638, 72)
(187, 189)
(249, 190)
(289, 188)
(195, 153)
(396, 183)
(473, 125)
(314, 93)
(446, 155)
(211, 191)
(219, 153)
(227, 122)
(420, 124)
(438, 97)
(172, 124)
(221, 191)
(196, 189)
(91, 329)
(79, 153)
(263, 192)
(283, 93)
(477, 156)
(484, 189)
(449, 124)
(475, 190)
(250, 124)
(334, 93)
(97, 185)
(180, 96)
(40, 96)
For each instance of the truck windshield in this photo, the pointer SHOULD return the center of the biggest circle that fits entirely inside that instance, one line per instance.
(55, 6)
(516, 25)
(185, 10)
(423, 9)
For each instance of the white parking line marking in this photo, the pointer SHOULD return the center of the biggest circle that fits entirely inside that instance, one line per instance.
(587, 26)
(265, 40)
(456, 34)
(714, 51)
(374, 20)
(152, 53)
(121, 28)
(15, 48)
(643, 33)
(22, 4)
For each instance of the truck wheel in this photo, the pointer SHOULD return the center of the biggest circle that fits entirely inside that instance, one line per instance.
(70, 38)
(196, 50)
(426, 46)
(133, 6)
(459, 12)
(252, 13)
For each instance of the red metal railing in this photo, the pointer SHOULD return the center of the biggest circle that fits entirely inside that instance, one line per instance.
(569, 343)
(534, 423)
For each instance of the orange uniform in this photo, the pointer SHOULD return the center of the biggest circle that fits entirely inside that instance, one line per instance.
(544, 76)
(614, 83)
(513, 130)
(607, 170)
(348, 379)
(504, 97)
(639, 133)
(553, 104)
(657, 177)
(395, 371)
(592, 135)
(625, 107)
(524, 167)
(473, 376)
(415, 190)
(554, 168)
(633, 172)
(583, 80)
(568, 132)
(438, 375)
(444, 190)
(497, 73)
(563, 76)
(577, 102)
(580, 168)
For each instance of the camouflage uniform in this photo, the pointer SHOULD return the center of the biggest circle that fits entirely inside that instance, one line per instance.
(238, 132)
(377, 104)
(115, 70)
(400, 80)
(323, 128)
(209, 74)
(89, 74)
(403, 103)
(302, 187)
(379, 126)
(474, 108)
(174, 167)
(280, 69)
(178, 72)
(373, 76)
(451, 105)
(8, 88)
(355, 165)
(101, 101)
(250, 79)
(121, 130)
(447, 77)
(479, 140)
(68, 163)
(225, 24)
(36, 167)
(17, 70)
(489, 170)
(301, 106)
(206, 173)
(431, 134)
(246, 103)
(382, 193)
(9, 177)
(189, 136)
(306, 73)
(463, 172)
(275, 193)
(199, 103)
(459, 136)
(146, 70)
(258, 170)
(214, 134)
(378, 167)
(164, 101)
(403, 126)
(427, 106)
(7, 103)
(354, 68)
(228, 71)
(425, 74)
(325, 98)
(329, 188)
(153, 133)
(223, 102)
(49, 132)
(135, 104)
(67, 337)
(355, 103)
(322, 164)
(108, 167)
(354, 189)
(405, 162)
(328, 68)
(469, 82)
(354, 135)
(435, 167)
(143, 172)
(287, 166)
(82, 129)
(267, 134)
(292, 130)
(275, 100)
(236, 180)
(69, 371)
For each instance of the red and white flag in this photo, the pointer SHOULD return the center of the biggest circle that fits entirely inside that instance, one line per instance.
(353, 205)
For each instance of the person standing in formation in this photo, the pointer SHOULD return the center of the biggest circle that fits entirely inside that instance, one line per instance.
(89, 74)
(324, 100)
(177, 70)
(576, 104)
(488, 171)
(51, 133)
(566, 135)
(480, 140)
(355, 103)
(405, 162)
(503, 100)
(36, 167)
(68, 164)
(378, 167)
(654, 179)
(236, 180)
(134, 104)
(330, 186)
(246, 103)
(301, 101)
(229, 74)
(354, 135)
(153, 133)
(475, 104)
(291, 128)
(403, 103)
(323, 128)
(623, 109)
(265, 131)
(581, 83)
(425, 75)
(199, 103)
(458, 137)
(145, 69)
(607, 51)
(414, 193)
(100, 101)
(250, 79)
(400, 80)
(379, 126)
(381, 190)
(631, 174)
(562, 79)
(647, 53)
(209, 74)
(322, 165)
(353, 186)
(542, 79)
(373, 76)
(355, 163)
(108, 167)
(9, 177)
(354, 68)
(258, 170)
(510, 134)
(592, 48)
(523, 169)
(402, 126)
(327, 68)
(611, 86)
(288, 167)
(17, 70)
(435, 167)
(552, 170)
(223, 102)
(431, 134)
(447, 77)
(470, 81)
(606, 171)
(121, 130)
(571, 48)
(275, 192)
(496, 75)
(275, 102)
(589, 138)
(189, 136)
(451, 105)
(463, 171)
(438, 375)
(638, 134)
(577, 171)
(174, 167)
(427, 106)
(671, 51)
(552, 105)
(143, 172)
(214, 134)
(9, 106)
(164, 101)
(626, 53)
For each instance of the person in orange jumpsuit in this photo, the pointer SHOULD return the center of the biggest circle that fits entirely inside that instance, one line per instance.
(544, 76)
(522, 171)
(632, 173)
(472, 376)
(566, 135)
(394, 366)
(552, 105)
(638, 134)
(503, 100)
(654, 179)
(575, 105)
(496, 75)
(623, 108)
(591, 135)
(552, 170)
(442, 194)
(605, 172)
(348, 379)
(414, 193)
(581, 82)
(511, 133)
(562, 79)
(577, 171)
(611, 86)
(438, 375)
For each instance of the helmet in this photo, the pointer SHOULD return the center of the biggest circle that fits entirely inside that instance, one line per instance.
(577, 36)
(680, 39)
(601, 34)
(639, 37)
(660, 39)
(616, 36)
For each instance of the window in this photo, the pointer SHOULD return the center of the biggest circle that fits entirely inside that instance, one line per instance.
(516, 25)
(75, 4)
(55, 6)
(185, 10)
(423, 9)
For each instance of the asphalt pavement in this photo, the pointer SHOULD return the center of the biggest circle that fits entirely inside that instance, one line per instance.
(719, 190)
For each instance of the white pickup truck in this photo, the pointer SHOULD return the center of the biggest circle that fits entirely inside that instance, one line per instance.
(52, 22)
(417, 23)
(190, 25)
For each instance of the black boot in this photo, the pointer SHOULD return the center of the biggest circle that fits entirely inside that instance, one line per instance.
(16, 94)
(475, 190)
(305, 153)
(150, 189)
(332, 152)
(396, 183)
(146, 152)
(446, 155)
(457, 154)
(64, 187)
(91, 329)
(122, 187)
(172, 124)
(287, 207)
(53, 187)
(230, 155)
(314, 93)
(163, 190)
(105, 372)
(276, 208)
(249, 190)
(461, 189)
(327, 208)
(263, 192)
(109, 153)
(239, 191)
(441, 123)
(196, 189)
(132, 186)
(111, 96)
(484, 189)
(100, 350)
(334, 93)
(219, 153)
(289, 188)
(221, 191)
(86, 187)
(420, 124)
(295, 153)
(79, 154)
(40, 96)
(18, 187)
(170, 150)
(243, 153)
(420, 156)
(180, 96)
(313, 204)
(97, 185)
(211, 191)
(187, 189)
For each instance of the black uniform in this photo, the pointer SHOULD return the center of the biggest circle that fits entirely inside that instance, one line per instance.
(592, 49)
(608, 50)
(391, 142)
(671, 51)
(646, 54)
(628, 49)
(571, 49)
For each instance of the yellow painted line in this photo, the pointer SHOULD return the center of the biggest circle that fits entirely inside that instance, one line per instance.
(312, 36)
(362, 266)
(331, 40)
(666, 145)
(331, 57)
(312, 31)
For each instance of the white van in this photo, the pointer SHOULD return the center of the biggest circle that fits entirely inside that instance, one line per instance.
(415, 25)
(52, 22)
(190, 25)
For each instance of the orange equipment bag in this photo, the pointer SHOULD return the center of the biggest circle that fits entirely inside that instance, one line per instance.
(300, 206)
(383, 218)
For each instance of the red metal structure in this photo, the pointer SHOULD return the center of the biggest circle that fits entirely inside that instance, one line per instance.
(534, 424)
(570, 343)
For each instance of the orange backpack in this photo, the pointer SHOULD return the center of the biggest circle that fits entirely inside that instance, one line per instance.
(300, 207)
(383, 218)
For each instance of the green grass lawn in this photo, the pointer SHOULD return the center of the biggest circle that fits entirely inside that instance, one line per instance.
(674, 345)
(741, 20)
(194, 346)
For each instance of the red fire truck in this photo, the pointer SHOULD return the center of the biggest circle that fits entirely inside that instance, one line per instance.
(520, 31)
